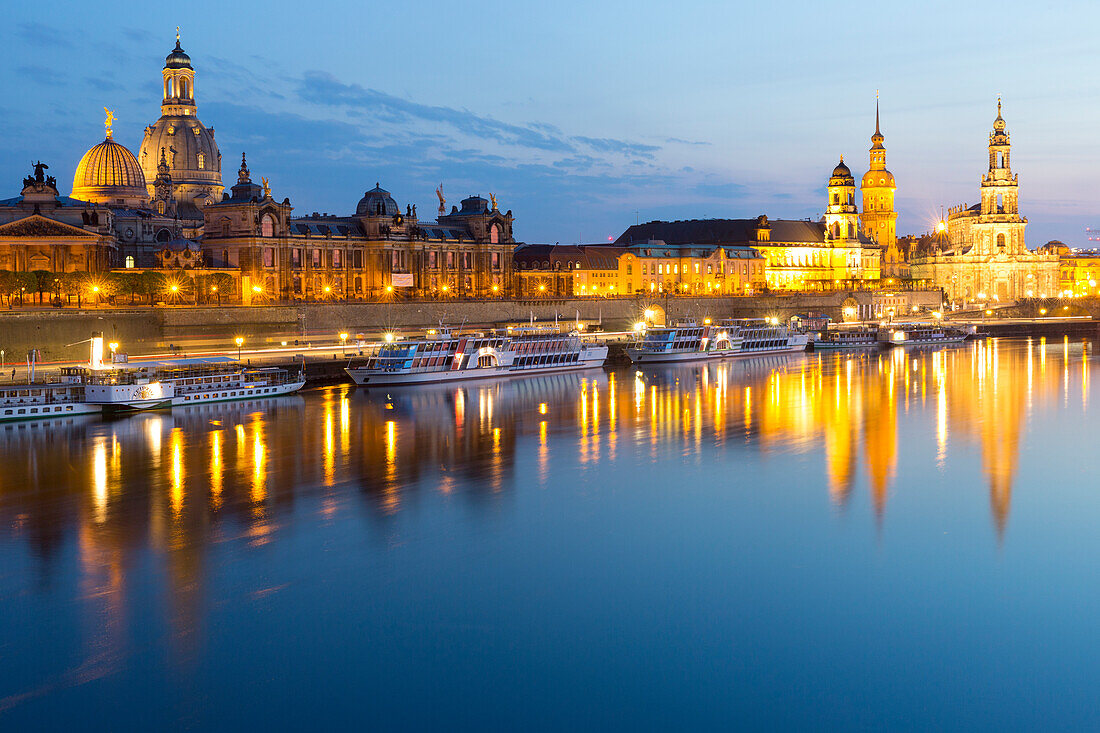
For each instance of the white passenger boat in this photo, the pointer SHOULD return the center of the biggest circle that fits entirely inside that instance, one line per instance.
(686, 341)
(921, 334)
(444, 357)
(847, 337)
(759, 336)
(55, 398)
(219, 379)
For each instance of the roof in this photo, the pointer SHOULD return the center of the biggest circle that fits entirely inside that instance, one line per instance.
(568, 256)
(722, 231)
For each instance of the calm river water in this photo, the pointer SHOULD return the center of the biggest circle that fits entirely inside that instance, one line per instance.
(905, 539)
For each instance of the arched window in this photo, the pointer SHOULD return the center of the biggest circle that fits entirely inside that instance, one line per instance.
(494, 234)
(202, 161)
(130, 262)
(225, 257)
(183, 88)
(1000, 241)
(267, 226)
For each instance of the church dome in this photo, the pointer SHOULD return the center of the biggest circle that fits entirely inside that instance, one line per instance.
(377, 202)
(110, 174)
(878, 179)
(177, 59)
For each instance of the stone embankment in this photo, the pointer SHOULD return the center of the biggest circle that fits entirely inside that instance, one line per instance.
(60, 335)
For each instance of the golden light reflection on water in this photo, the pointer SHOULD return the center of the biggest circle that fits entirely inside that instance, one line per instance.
(854, 417)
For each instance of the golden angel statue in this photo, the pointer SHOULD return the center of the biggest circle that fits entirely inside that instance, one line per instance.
(442, 200)
(493, 201)
(110, 121)
(267, 188)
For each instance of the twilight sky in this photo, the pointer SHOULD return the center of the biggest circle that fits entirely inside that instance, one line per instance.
(582, 116)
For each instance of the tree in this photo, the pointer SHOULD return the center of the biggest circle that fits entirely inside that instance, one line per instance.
(222, 284)
(43, 281)
(153, 283)
(75, 283)
(7, 284)
(26, 282)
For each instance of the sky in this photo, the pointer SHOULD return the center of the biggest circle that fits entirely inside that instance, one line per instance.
(582, 117)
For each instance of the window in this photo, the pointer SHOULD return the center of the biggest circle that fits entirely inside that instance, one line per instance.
(450, 259)
(129, 261)
(495, 260)
(267, 225)
(316, 257)
(1000, 241)
(225, 257)
(202, 161)
(269, 256)
(466, 260)
(357, 259)
(337, 258)
(296, 257)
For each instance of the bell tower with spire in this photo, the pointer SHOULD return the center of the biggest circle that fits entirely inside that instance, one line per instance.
(879, 220)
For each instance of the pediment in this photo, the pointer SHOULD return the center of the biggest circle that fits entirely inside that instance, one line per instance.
(37, 225)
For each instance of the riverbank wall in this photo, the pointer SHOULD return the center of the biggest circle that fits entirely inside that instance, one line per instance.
(61, 335)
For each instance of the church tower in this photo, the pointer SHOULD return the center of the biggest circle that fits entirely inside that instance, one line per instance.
(842, 225)
(841, 217)
(999, 229)
(878, 187)
(194, 162)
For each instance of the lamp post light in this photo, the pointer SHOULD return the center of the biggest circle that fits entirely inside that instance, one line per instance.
(344, 343)
(214, 289)
(239, 340)
(113, 346)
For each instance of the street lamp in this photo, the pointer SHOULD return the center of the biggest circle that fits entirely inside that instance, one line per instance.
(239, 340)
(113, 346)
(344, 342)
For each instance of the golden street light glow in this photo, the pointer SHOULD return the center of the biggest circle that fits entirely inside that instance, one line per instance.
(941, 226)
(639, 326)
(343, 336)
(257, 289)
(388, 337)
(238, 340)
(389, 288)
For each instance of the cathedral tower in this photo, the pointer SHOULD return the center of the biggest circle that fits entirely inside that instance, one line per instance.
(194, 162)
(878, 187)
(999, 229)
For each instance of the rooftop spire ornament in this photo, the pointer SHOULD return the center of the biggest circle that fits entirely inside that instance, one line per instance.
(109, 121)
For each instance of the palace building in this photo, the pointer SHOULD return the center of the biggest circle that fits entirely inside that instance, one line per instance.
(985, 257)
(799, 254)
(375, 252)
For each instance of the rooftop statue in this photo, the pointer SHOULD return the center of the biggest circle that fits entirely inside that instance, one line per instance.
(493, 200)
(442, 201)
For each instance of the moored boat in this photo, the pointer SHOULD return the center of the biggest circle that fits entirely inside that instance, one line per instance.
(686, 341)
(921, 334)
(442, 356)
(847, 337)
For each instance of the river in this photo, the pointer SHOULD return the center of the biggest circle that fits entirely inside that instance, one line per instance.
(903, 539)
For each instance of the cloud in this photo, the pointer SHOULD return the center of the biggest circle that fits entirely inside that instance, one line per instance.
(681, 141)
(41, 34)
(610, 145)
(42, 75)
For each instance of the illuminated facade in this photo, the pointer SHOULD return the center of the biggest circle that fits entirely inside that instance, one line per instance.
(42, 230)
(879, 220)
(985, 257)
(641, 268)
(798, 254)
(377, 252)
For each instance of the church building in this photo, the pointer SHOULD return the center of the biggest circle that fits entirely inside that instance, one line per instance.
(985, 257)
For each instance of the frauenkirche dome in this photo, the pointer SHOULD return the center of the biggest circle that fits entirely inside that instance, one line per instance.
(194, 161)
